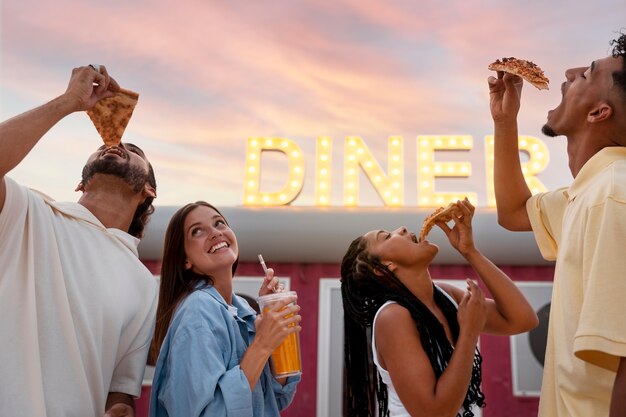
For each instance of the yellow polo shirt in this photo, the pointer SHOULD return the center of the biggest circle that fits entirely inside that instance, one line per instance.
(583, 227)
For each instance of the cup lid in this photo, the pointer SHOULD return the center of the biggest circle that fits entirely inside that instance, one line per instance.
(276, 296)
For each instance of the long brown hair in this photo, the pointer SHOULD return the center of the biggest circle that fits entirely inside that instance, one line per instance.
(176, 281)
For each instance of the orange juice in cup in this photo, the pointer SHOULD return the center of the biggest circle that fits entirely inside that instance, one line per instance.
(286, 360)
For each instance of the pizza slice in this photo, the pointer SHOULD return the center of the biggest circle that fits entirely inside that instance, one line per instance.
(526, 69)
(111, 115)
(443, 214)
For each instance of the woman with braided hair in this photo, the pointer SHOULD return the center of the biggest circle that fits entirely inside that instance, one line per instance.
(423, 359)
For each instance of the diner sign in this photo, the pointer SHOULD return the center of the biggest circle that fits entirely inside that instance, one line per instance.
(389, 182)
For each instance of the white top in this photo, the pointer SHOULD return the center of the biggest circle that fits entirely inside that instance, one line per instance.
(396, 408)
(76, 305)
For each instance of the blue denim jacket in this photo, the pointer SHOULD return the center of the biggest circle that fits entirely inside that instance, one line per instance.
(198, 373)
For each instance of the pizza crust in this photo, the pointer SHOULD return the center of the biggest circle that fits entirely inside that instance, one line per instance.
(111, 115)
(442, 214)
(526, 69)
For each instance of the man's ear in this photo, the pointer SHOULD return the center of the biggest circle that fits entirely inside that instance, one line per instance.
(80, 187)
(600, 113)
(149, 191)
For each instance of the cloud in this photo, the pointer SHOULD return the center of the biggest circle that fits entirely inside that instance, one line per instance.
(211, 74)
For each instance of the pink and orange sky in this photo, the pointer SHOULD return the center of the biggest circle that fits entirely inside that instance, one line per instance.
(211, 74)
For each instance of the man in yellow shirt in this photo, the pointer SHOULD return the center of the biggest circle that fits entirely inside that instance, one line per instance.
(582, 227)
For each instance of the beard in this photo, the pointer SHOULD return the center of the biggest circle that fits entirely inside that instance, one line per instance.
(134, 176)
(548, 131)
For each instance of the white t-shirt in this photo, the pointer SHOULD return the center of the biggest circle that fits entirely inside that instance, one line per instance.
(77, 309)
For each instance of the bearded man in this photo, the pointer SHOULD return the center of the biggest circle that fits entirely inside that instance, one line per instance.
(76, 304)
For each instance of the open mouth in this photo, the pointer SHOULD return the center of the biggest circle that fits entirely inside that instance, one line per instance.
(115, 150)
(218, 246)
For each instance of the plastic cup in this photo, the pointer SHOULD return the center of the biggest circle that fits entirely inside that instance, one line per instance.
(286, 360)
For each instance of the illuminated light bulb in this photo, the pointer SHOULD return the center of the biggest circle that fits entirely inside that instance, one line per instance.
(396, 185)
(430, 169)
(357, 155)
(323, 164)
(538, 158)
(295, 180)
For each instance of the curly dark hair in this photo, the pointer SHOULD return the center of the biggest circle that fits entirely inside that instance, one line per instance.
(363, 293)
(619, 50)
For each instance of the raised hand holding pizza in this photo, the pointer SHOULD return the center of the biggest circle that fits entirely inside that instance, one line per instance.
(460, 235)
(505, 94)
(87, 86)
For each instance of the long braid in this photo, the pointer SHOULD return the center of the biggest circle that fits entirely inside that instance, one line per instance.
(363, 293)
